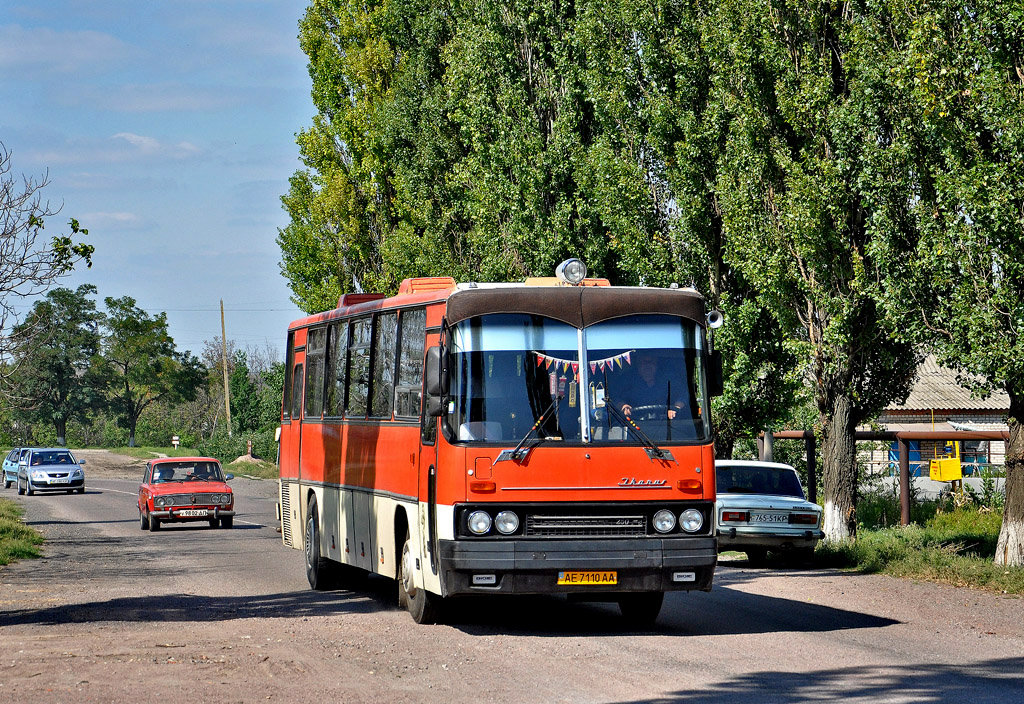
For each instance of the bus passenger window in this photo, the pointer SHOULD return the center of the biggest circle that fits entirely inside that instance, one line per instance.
(385, 342)
(297, 391)
(315, 349)
(409, 390)
(359, 367)
(336, 361)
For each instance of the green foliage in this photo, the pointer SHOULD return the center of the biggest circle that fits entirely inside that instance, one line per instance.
(143, 362)
(17, 541)
(59, 375)
(229, 448)
(489, 142)
(244, 396)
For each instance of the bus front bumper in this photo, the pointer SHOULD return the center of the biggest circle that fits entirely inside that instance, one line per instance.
(534, 567)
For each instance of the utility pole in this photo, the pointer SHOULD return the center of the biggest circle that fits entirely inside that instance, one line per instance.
(224, 358)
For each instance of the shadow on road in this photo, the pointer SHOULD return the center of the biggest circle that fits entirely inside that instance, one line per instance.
(725, 612)
(197, 607)
(979, 683)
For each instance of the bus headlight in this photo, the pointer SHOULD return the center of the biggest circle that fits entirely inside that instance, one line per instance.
(691, 520)
(479, 522)
(664, 521)
(506, 522)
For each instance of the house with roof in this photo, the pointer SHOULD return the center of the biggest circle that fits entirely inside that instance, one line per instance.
(938, 402)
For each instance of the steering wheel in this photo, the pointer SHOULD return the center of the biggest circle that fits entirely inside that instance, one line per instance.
(650, 411)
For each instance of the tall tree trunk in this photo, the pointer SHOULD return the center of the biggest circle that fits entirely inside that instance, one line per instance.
(839, 471)
(1010, 548)
(61, 426)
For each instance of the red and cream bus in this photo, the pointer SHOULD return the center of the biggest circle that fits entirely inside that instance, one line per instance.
(547, 437)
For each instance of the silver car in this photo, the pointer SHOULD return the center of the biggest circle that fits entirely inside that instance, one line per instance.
(761, 507)
(50, 469)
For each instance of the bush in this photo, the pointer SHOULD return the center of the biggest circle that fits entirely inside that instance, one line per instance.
(955, 547)
(227, 449)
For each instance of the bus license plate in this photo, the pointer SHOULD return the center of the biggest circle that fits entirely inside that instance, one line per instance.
(591, 578)
(191, 512)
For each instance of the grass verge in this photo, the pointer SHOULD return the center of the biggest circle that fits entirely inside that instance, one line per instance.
(952, 548)
(17, 541)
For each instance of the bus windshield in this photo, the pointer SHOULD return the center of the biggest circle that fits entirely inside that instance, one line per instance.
(512, 372)
(517, 374)
(646, 370)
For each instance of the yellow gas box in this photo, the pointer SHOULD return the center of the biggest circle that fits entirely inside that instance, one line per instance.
(946, 470)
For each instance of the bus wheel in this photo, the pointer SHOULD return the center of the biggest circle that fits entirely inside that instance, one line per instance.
(423, 605)
(319, 570)
(641, 607)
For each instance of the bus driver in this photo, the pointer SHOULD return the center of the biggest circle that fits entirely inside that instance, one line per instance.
(650, 392)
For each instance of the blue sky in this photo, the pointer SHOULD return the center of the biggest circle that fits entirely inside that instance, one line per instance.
(168, 130)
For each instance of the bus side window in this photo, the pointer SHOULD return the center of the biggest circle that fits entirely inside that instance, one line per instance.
(286, 406)
(412, 341)
(359, 367)
(337, 345)
(315, 348)
(297, 391)
(384, 343)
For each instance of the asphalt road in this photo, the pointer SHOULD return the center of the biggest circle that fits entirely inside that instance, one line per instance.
(190, 613)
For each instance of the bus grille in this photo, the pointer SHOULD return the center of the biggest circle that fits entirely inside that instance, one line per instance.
(286, 515)
(585, 526)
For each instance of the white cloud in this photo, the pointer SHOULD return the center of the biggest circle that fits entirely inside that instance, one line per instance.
(39, 51)
(143, 144)
(110, 221)
(156, 97)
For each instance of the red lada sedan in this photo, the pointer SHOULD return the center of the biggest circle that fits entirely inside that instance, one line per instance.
(179, 489)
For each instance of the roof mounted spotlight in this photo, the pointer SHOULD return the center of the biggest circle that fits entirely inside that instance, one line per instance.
(715, 319)
(571, 271)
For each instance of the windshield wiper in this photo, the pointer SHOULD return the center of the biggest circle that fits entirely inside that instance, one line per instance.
(519, 452)
(652, 450)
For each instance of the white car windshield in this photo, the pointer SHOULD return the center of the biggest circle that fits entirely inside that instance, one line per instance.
(186, 472)
(775, 481)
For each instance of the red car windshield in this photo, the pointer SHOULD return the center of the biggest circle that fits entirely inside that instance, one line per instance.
(187, 472)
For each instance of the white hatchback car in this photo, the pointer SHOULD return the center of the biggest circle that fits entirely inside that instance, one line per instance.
(760, 507)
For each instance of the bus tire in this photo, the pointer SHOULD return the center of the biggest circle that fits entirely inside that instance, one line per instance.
(320, 572)
(641, 608)
(423, 606)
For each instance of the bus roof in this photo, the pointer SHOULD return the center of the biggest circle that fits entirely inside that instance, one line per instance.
(593, 301)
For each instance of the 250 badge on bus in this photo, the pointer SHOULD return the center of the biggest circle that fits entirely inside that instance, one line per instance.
(588, 578)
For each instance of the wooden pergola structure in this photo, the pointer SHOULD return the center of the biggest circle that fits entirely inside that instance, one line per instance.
(901, 437)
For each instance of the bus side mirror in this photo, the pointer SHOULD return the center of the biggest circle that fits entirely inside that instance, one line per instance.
(436, 372)
(716, 376)
(437, 381)
(435, 406)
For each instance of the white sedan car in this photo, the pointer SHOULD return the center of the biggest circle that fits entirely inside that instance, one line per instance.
(761, 507)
